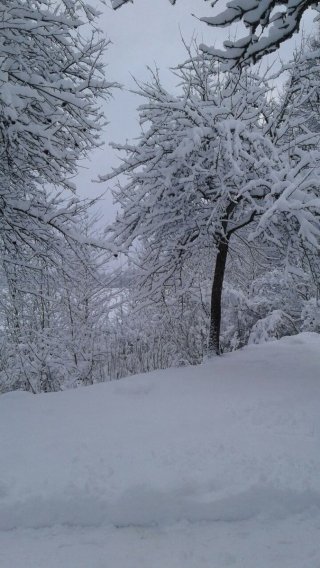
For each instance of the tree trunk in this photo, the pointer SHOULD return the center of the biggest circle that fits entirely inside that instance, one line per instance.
(216, 294)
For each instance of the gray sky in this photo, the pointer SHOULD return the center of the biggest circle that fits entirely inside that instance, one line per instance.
(147, 33)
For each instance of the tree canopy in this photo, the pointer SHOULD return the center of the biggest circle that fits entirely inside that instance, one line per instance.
(210, 161)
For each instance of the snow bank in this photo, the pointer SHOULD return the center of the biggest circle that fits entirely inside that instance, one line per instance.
(233, 439)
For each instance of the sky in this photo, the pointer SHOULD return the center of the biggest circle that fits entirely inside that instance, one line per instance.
(147, 33)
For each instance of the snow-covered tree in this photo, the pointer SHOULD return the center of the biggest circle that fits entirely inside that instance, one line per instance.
(294, 129)
(206, 166)
(300, 101)
(269, 22)
(53, 316)
(143, 336)
(51, 86)
(51, 83)
(52, 77)
(85, 301)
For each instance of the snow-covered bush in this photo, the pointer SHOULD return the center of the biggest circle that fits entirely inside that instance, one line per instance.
(238, 318)
(275, 303)
(274, 326)
(310, 316)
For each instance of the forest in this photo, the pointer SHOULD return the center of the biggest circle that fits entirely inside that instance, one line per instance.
(215, 245)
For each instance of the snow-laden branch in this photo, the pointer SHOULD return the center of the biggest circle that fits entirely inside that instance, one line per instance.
(270, 23)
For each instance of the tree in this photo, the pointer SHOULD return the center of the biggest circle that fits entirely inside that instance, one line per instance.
(303, 83)
(51, 85)
(51, 81)
(267, 28)
(54, 313)
(195, 177)
(210, 162)
(52, 78)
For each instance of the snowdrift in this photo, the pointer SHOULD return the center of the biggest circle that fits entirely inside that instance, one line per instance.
(232, 441)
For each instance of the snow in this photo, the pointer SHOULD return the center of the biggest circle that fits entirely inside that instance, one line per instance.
(195, 467)
(279, 26)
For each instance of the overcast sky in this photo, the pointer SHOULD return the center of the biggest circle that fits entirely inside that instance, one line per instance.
(146, 33)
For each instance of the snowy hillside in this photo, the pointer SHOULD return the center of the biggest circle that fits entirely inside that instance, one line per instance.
(196, 467)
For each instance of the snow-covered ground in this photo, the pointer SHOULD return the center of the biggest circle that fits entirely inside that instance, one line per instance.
(198, 467)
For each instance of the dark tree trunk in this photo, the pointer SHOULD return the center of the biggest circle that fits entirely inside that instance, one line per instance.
(219, 271)
(216, 295)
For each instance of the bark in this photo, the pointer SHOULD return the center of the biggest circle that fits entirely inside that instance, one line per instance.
(219, 272)
(216, 295)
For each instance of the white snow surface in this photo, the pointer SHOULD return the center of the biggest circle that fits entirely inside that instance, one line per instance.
(197, 467)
